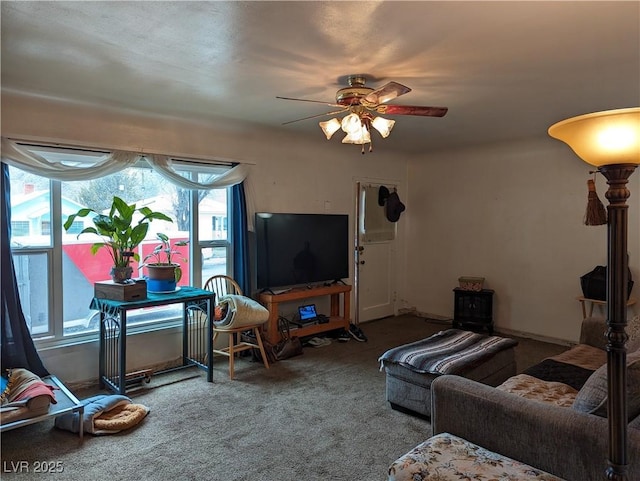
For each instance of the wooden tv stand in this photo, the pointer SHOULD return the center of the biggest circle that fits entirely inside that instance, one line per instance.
(336, 320)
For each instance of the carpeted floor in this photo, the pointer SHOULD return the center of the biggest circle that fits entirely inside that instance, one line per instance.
(320, 416)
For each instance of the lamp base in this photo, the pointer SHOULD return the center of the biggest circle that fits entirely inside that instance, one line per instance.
(617, 176)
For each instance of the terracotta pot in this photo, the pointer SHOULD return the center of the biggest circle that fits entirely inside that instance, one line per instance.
(121, 274)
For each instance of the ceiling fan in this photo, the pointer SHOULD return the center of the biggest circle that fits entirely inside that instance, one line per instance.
(361, 103)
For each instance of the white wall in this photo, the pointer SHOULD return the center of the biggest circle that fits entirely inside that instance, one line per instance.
(512, 213)
(289, 175)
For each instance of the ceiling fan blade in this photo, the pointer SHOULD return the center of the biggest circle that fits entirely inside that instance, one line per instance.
(335, 112)
(412, 110)
(385, 93)
(314, 101)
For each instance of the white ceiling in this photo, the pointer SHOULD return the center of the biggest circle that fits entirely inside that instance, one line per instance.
(506, 70)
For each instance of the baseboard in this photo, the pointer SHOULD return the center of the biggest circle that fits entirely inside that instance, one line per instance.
(436, 318)
(94, 383)
(535, 337)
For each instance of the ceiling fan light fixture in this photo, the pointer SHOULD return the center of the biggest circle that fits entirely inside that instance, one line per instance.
(330, 127)
(359, 138)
(383, 126)
(352, 124)
(359, 103)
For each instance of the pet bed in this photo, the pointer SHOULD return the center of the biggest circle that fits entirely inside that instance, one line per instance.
(24, 395)
(240, 310)
(104, 414)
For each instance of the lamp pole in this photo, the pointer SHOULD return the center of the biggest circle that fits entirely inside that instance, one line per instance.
(617, 176)
(610, 140)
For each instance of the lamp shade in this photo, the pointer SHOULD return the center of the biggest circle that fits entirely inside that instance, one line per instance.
(352, 124)
(602, 138)
(359, 138)
(330, 127)
(383, 126)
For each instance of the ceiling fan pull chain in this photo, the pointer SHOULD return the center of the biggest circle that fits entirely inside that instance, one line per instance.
(370, 146)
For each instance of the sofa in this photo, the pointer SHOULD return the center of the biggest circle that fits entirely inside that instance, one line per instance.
(563, 431)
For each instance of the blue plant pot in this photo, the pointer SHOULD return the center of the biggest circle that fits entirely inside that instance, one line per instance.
(161, 278)
(159, 285)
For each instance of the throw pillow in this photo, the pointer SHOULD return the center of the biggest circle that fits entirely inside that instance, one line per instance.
(592, 398)
(633, 330)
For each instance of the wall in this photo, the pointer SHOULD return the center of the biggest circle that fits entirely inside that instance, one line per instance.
(512, 213)
(289, 175)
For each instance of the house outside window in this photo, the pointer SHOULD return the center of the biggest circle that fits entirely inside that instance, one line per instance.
(55, 269)
(20, 228)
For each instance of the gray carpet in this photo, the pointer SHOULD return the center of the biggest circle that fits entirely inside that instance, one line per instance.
(319, 416)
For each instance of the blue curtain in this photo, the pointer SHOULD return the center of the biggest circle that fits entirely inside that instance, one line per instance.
(241, 271)
(18, 349)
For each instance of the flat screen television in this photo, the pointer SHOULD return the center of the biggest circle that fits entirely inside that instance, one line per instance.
(299, 249)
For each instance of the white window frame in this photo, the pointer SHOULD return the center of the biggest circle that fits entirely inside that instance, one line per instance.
(54, 252)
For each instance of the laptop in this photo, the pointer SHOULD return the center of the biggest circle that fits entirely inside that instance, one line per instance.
(308, 314)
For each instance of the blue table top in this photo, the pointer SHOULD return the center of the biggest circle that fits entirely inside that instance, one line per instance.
(185, 293)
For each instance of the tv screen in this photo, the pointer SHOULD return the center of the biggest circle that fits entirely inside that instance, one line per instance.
(296, 249)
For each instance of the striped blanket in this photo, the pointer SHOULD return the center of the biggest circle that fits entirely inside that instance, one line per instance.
(447, 352)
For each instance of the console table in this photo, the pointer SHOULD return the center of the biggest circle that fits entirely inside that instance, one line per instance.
(337, 320)
(197, 312)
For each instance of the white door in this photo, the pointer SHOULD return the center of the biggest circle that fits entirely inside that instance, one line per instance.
(375, 249)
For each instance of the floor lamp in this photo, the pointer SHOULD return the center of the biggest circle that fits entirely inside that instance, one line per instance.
(610, 140)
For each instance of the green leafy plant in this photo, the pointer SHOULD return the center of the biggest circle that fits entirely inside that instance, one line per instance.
(163, 253)
(121, 235)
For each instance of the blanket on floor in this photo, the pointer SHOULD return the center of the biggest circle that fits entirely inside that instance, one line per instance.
(452, 351)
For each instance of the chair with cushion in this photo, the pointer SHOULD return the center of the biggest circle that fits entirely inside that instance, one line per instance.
(235, 314)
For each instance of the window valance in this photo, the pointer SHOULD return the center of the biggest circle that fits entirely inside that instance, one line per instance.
(22, 157)
(163, 165)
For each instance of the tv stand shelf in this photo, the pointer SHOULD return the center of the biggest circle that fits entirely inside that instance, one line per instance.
(336, 319)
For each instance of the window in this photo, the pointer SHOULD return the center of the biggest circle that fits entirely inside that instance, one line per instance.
(20, 228)
(33, 286)
(55, 268)
(373, 224)
(76, 227)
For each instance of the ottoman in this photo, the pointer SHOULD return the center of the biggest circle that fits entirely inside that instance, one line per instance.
(447, 457)
(411, 368)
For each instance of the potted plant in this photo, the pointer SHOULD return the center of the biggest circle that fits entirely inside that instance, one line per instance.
(163, 273)
(120, 233)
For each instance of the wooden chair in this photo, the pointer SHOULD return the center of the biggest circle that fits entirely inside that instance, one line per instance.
(224, 285)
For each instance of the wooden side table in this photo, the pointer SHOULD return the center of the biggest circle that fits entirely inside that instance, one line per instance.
(592, 302)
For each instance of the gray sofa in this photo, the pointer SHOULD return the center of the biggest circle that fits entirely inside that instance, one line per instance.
(563, 441)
